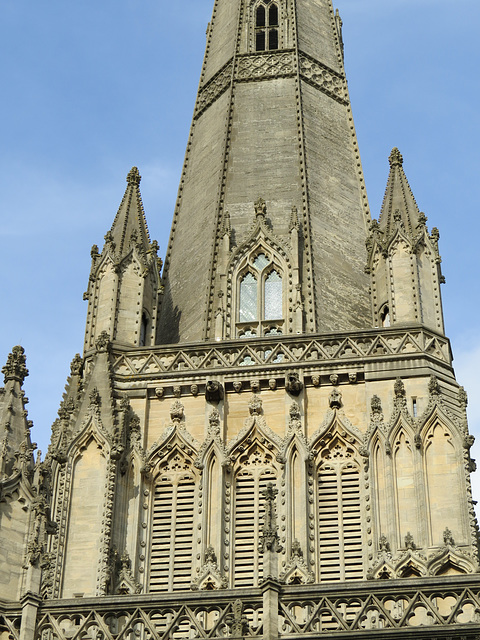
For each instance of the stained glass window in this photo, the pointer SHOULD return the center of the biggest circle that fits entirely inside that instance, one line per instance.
(248, 298)
(273, 296)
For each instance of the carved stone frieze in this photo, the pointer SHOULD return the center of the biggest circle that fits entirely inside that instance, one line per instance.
(273, 64)
(214, 88)
(323, 78)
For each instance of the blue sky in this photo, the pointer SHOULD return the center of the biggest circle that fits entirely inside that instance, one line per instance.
(92, 88)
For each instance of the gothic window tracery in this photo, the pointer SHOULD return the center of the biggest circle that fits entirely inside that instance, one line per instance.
(266, 26)
(260, 297)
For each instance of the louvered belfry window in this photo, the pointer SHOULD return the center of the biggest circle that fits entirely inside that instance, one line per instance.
(250, 481)
(339, 518)
(172, 534)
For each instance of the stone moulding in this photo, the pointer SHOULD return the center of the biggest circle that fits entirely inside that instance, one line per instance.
(361, 347)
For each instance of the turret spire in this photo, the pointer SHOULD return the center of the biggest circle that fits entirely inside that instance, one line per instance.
(403, 258)
(124, 279)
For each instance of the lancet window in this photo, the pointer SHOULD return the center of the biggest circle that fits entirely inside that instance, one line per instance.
(266, 26)
(256, 470)
(339, 515)
(260, 297)
(172, 526)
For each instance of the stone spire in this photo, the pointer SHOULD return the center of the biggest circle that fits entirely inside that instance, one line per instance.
(129, 226)
(403, 258)
(273, 122)
(124, 278)
(399, 206)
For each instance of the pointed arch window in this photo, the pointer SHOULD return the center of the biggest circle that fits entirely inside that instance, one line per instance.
(260, 299)
(256, 470)
(172, 541)
(339, 516)
(266, 26)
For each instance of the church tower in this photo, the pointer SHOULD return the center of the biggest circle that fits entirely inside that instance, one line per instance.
(267, 439)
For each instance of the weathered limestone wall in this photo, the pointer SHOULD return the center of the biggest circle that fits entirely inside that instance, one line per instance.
(193, 230)
(315, 34)
(264, 160)
(85, 523)
(337, 213)
(14, 520)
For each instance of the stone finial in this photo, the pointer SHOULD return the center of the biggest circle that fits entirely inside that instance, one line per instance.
(462, 397)
(269, 536)
(395, 158)
(399, 388)
(227, 225)
(433, 386)
(260, 208)
(448, 538)
(15, 368)
(76, 365)
(376, 405)
(409, 542)
(238, 622)
(134, 177)
(255, 405)
(103, 342)
(383, 544)
(176, 412)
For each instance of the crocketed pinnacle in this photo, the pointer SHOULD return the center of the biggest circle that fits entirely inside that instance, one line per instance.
(399, 206)
(130, 227)
(15, 441)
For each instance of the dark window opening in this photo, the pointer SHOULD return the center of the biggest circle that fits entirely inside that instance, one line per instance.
(260, 41)
(260, 21)
(143, 330)
(266, 18)
(273, 16)
(273, 39)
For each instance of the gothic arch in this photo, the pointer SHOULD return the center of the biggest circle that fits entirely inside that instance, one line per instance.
(173, 514)
(338, 506)
(254, 467)
(408, 491)
(444, 477)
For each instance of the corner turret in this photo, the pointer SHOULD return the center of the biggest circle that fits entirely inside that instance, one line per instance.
(403, 258)
(124, 278)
